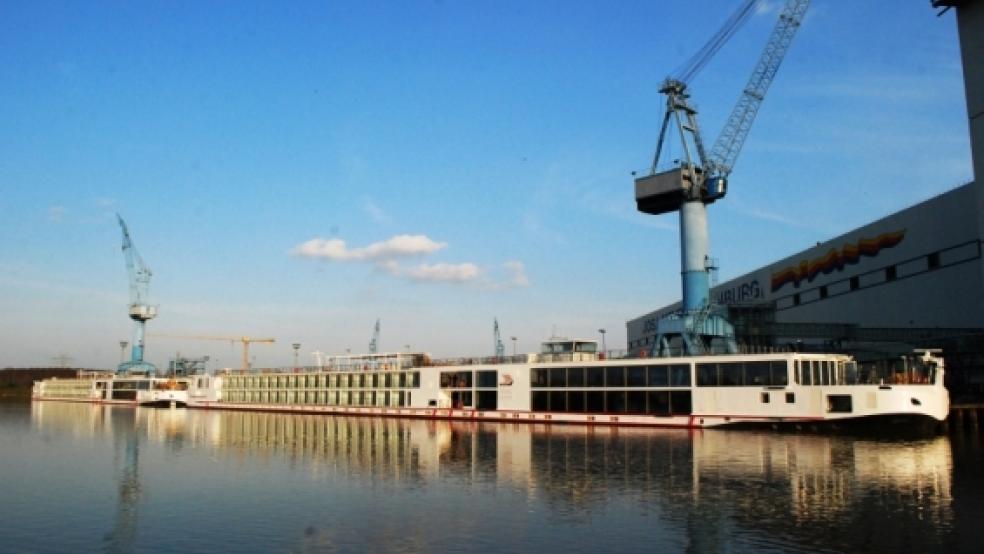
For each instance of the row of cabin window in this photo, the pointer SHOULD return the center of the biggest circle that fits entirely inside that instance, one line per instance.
(382, 398)
(823, 372)
(743, 374)
(653, 402)
(344, 380)
(131, 385)
(676, 375)
(484, 379)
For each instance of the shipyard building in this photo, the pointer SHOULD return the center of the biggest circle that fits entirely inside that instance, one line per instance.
(914, 279)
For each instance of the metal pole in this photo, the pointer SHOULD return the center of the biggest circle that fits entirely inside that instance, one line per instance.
(297, 346)
(604, 347)
(514, 346)
(123, 345)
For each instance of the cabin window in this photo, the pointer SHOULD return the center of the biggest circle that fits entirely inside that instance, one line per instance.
(615, 376)
(596, 377)
(575, 377)
(487, 399)
(680, 402)
(539, 401)
(658, 402)
(707, 375)
(731, 374)
(461, 399)
(635, 376)
(595, 401)
(558, 377)
(456, 380)
(575, 401)
(615, 402)
(658, 376)
(558, 401)
(807, 377)
(765, 398)
(416, 379)
(680, 375)
(635, 402)
(839, 403)
(538, 377)
(487, 379)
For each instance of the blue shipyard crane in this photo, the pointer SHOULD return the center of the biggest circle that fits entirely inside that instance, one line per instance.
(701, 177)
(139, 311)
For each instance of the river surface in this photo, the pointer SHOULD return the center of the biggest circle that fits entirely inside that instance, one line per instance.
(81, 478)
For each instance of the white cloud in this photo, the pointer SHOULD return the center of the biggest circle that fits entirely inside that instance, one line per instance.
(385, 256)
(442, 272)
(56, 214)
(389, 249)
(519, 278)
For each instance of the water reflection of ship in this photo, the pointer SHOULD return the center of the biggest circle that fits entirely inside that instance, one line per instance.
(780, 490)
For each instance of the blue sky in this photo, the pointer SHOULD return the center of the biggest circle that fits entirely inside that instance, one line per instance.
(298, 170)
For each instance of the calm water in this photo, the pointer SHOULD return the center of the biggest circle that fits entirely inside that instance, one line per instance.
(76, 477)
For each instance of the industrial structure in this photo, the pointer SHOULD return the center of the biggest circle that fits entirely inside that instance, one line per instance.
(374, 341)
(244, 340)
(699, 178)
(500, 349)
(912, 279)
(140, 311)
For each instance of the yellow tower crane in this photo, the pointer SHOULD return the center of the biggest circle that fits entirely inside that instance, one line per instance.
(246, 341)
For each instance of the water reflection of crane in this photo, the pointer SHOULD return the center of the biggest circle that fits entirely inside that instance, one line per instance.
(126, 458)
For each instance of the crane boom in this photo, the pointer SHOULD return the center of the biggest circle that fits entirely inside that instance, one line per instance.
(136, 268)
(735, 131)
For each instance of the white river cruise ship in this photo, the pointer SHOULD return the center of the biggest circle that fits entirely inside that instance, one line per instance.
(569, 382)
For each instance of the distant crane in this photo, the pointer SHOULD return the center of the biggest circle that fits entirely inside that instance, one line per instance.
(140, 311)
(500, 349)
(374, 343)
(246, 341)
(700, 178)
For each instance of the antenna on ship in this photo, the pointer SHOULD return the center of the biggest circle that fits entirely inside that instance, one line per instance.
(374, 343)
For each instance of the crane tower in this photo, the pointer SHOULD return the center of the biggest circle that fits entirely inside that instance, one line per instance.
(139, 311)
(374, 342)
(500, 349)
(701, 177)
